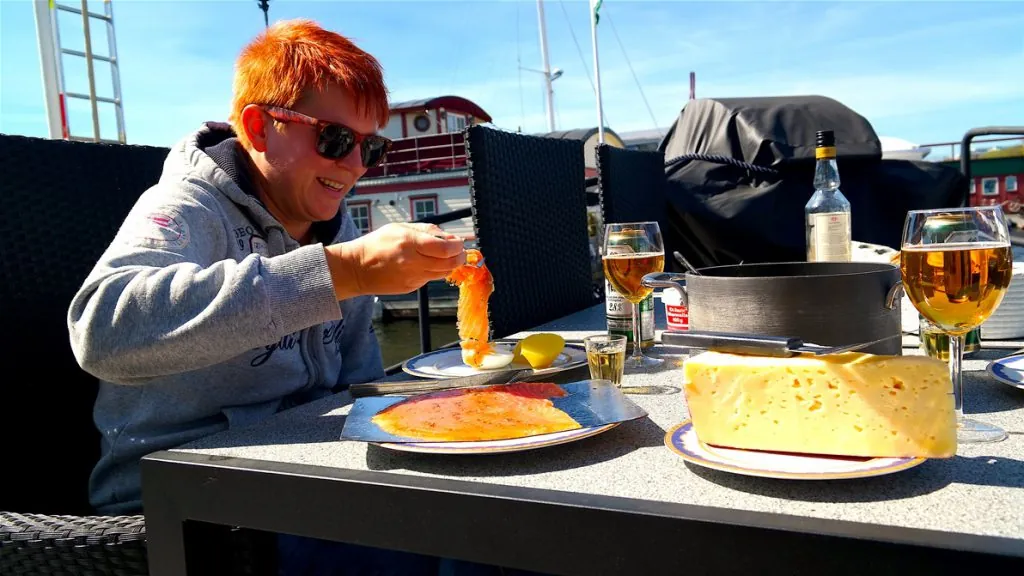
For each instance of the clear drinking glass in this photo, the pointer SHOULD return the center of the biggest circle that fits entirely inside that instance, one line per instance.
(956, 265)
(606, 354)
(631, 251)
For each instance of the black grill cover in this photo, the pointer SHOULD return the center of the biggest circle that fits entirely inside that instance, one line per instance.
(747, 170)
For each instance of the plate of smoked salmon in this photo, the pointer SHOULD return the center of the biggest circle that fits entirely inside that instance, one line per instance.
(476, 352)
(487, 419)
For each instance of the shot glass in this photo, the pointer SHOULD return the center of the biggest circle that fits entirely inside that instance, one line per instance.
(606, 357)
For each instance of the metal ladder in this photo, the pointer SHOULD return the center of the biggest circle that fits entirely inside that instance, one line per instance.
(52, 55)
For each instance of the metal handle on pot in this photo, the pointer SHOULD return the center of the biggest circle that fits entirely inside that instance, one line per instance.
(892, 299)
(673, 280)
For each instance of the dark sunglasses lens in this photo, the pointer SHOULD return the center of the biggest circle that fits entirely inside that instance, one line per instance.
(374, 150)
(335, 141)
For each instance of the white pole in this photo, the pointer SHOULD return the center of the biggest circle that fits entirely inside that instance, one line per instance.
(597, 72)
(48, 62)
(549, 93)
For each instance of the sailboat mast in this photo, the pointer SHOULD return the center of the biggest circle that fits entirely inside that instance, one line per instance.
(549, 93)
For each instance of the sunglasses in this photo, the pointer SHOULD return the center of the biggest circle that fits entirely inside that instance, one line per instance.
(335, 141)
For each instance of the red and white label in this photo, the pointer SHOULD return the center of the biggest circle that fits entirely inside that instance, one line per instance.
(677, 316)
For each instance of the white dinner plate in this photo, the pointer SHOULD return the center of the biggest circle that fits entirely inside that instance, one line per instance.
(682, 439)
(1009, 370)
(447, 362)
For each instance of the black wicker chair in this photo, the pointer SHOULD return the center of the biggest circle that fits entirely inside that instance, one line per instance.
(63, 202)
(529, 216)
(632, 184)
(634, 189)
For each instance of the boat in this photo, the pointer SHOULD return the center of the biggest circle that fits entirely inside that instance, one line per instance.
(900, 149)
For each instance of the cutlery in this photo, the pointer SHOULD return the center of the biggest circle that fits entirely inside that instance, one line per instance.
(484, 379)
(682, 260)
(423, 385)
(757, 344)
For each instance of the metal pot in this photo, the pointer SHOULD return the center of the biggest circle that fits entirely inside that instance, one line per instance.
(827, 303)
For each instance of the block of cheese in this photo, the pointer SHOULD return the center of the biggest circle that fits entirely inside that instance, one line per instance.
(852, 404)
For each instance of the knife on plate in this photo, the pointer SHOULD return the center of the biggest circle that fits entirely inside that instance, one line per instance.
(757, 344)
(483, 379)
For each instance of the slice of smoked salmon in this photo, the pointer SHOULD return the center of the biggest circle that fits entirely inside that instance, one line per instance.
(478, 414)
(475, 287)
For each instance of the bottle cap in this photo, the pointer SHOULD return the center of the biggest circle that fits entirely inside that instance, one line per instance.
(825, 138)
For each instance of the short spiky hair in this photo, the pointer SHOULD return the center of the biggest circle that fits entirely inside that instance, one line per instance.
(293, 56)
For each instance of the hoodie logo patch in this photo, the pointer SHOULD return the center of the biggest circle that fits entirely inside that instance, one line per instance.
(162, 230)
(258, 245)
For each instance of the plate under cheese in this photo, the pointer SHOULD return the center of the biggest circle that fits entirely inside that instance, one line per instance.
(852, 404)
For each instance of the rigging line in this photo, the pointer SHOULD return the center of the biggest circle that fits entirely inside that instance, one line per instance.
(579, 51)
(586, 65)
(519, 68)
(635, 79)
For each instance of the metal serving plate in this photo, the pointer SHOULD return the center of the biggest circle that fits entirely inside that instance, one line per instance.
(591, 403)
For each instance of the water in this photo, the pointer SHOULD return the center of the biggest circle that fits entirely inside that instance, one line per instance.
(400, 339)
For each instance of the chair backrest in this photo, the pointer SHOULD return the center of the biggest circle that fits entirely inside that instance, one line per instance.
(632, 184)
(530, 218)
(63, 202)
(634, 189)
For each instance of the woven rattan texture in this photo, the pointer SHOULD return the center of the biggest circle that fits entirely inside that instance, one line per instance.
(632, 184)
(529, 215)
(62, 204)
(35, 545)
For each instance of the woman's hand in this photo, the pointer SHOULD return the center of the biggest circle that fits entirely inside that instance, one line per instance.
(394, 259)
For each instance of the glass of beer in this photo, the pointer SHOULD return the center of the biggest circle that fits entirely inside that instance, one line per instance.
(631, 251)
(606, 355)
(956, 265)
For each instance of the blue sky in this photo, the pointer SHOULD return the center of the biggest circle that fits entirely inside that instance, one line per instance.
(922, 71)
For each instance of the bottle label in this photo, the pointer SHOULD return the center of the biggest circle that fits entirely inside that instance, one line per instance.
(825, 152)
(829, 237)
(614, 304)
(619, 313)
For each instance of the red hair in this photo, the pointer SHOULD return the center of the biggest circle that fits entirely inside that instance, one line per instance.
(293, 56)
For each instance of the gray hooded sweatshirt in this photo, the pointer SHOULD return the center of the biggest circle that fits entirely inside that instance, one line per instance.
(204, 314)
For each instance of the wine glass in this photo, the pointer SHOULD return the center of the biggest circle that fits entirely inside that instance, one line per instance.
(956, 265)
(631, 251)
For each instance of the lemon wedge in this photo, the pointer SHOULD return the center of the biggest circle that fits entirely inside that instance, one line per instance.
(538, 350)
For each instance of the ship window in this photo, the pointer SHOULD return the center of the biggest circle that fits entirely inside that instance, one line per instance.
(456, 123)
(990, 186)
(360, 216)
(1011, 183)
(971, 186)
(421, 123)
(423, 207)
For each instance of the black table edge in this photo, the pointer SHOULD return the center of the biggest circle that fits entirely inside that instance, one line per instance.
(545, 530)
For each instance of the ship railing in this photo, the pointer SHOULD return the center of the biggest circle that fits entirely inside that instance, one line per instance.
(431, 153)
(955, 148)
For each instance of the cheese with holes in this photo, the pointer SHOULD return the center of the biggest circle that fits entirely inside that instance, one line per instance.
(852, 404)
